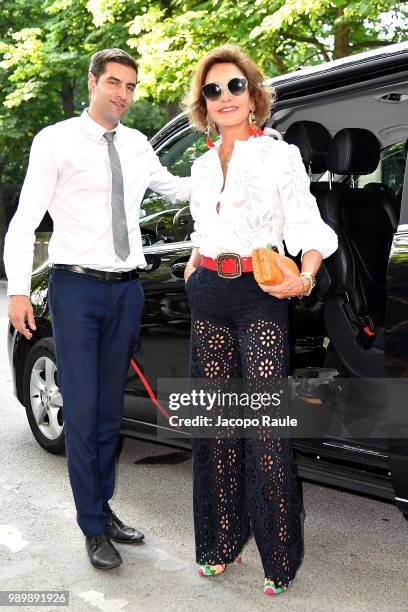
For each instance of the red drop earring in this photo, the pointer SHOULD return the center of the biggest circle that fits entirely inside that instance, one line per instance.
(211, 127)
(254, 130)
(210, 143)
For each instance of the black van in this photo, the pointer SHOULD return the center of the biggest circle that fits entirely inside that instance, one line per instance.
(349, 340)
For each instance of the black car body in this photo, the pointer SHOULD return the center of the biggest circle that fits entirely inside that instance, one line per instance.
(328, 341)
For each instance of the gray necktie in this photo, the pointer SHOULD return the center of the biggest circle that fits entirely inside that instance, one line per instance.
(119, 225)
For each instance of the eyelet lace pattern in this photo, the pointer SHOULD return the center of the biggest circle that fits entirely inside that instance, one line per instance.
(243, 486)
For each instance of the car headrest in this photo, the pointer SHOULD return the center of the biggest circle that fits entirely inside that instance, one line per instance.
(353, 151)
(313, 141)
(381, 189)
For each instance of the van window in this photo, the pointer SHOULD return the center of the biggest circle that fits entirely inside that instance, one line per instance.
(390, 170)
(161, 219)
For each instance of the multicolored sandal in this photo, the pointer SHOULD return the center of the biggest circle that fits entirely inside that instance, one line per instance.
(212, 570)
(269, 587)
(215, 570)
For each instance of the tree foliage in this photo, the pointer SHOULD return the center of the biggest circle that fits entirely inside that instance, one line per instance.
(279, 34)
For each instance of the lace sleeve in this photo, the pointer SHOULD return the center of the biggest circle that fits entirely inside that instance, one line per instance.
(303, 228)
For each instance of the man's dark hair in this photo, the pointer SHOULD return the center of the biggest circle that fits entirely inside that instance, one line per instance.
(101, 58)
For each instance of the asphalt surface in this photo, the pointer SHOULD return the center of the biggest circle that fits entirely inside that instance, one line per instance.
(356, 547)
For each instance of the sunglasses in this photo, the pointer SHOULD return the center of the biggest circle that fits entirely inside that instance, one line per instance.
(236, 87)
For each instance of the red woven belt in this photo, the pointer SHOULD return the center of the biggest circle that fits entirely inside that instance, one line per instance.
(228, 265)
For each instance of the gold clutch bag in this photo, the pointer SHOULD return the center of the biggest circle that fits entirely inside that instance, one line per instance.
(265, 268)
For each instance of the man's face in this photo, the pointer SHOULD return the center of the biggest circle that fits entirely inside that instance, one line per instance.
(113, 94)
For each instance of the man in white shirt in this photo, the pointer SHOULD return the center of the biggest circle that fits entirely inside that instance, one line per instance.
(90, 173)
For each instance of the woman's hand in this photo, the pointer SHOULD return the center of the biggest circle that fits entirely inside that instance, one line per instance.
(291, 286)
(193, 263)
(189, 269)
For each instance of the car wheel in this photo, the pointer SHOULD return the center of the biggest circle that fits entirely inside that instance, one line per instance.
(42, 397)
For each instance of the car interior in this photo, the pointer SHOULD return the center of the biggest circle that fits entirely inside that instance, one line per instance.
(354, 146)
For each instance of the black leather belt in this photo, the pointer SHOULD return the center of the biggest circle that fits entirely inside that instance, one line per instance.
(101, 274)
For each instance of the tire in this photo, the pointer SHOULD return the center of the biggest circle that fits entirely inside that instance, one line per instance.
(42, 397)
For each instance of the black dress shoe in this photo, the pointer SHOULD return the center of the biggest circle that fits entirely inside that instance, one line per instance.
(121, 533)
(102, 552)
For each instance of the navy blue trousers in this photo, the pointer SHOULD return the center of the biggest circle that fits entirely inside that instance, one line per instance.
(96, 325)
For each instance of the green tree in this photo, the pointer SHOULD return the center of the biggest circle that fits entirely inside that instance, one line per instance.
(280, 35)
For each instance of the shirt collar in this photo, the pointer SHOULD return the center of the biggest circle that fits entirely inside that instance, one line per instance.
(94, 129)
(217, 143)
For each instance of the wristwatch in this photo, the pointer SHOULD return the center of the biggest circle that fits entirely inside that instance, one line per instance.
(310, 277)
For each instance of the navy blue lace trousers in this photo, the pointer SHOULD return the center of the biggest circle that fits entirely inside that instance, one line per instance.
(243, 487)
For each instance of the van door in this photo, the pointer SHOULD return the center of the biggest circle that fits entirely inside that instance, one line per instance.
(396, 353)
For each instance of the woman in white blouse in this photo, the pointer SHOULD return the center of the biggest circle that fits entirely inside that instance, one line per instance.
(248, 190)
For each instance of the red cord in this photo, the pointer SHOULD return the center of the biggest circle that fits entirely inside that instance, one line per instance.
(150, 391)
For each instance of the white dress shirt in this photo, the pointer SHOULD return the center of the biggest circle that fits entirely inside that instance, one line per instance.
(266, 199)
(69, 175)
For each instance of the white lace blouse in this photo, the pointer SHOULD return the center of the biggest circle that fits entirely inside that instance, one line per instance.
(266, 199)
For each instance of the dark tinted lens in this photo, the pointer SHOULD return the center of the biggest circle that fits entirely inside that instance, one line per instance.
(237, 86)
(211, 91)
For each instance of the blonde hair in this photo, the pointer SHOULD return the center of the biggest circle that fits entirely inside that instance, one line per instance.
(262, 95)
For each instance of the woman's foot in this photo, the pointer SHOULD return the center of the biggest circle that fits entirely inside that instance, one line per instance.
(269, 587)
(212, 570)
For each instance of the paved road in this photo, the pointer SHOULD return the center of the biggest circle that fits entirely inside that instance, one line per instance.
(356, 547)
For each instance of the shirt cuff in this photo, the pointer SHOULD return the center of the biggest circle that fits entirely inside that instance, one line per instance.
(19, 287)
(326, 249)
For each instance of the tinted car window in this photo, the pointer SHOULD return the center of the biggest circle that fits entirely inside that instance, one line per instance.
(161, 220)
